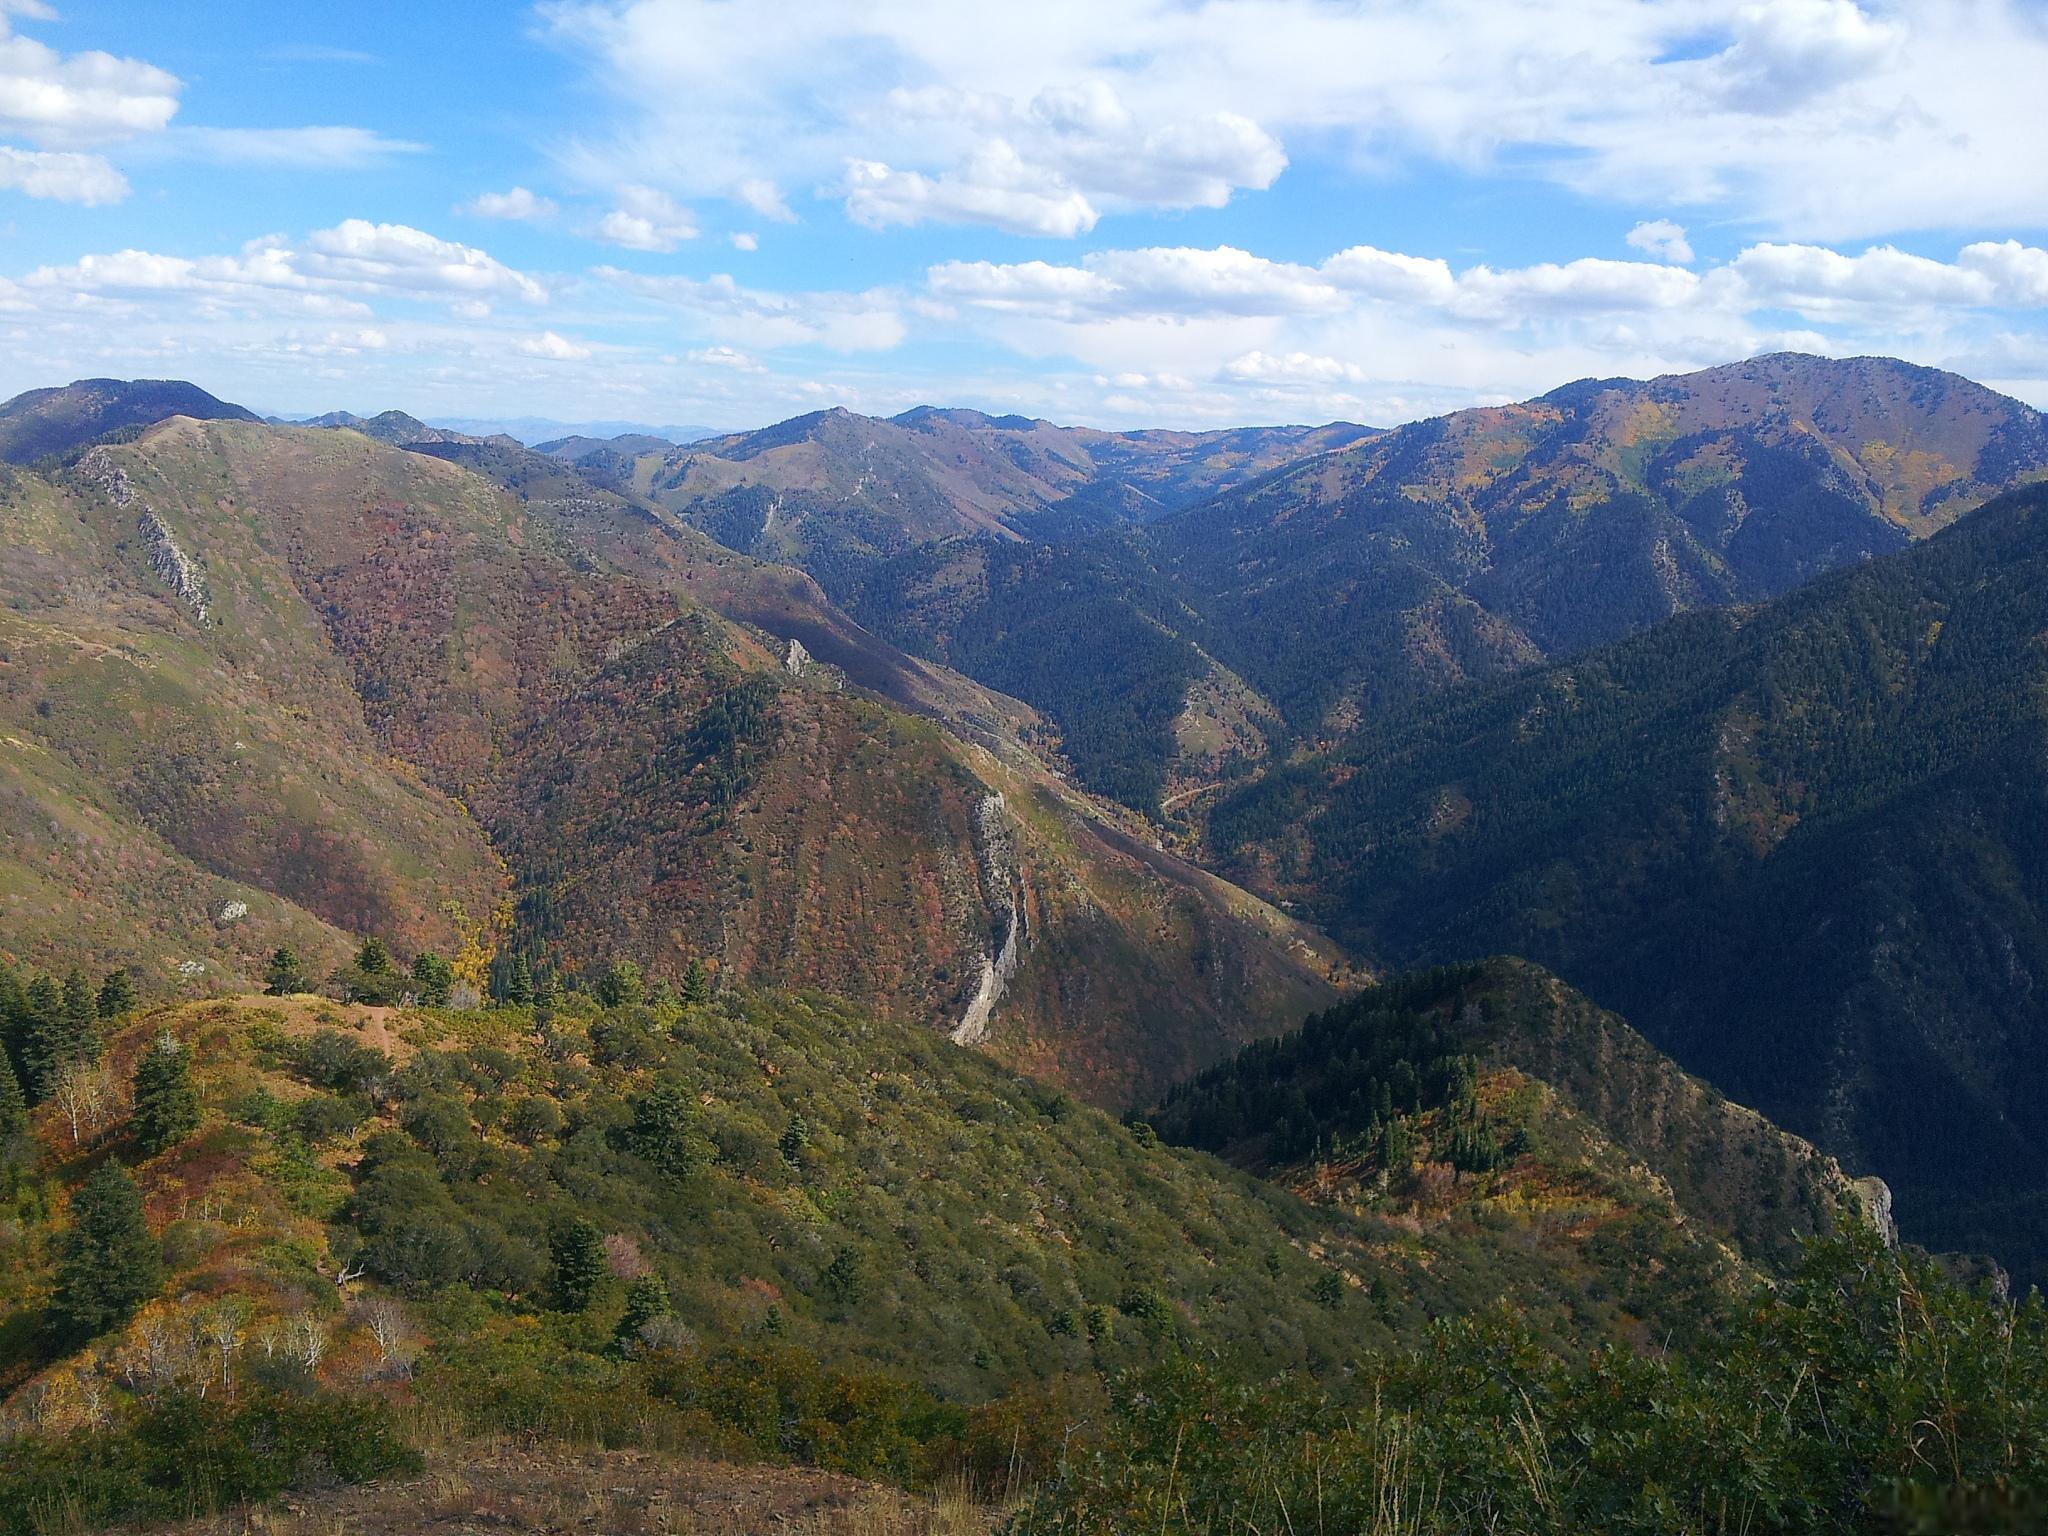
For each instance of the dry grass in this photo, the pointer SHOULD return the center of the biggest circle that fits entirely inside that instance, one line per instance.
(511, 1489)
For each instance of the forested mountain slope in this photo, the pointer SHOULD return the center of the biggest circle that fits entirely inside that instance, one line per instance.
(875, 1198)
(1469, 546)
(1804, 848)
(1465, 545)
(1541, 1100)
(408, 687)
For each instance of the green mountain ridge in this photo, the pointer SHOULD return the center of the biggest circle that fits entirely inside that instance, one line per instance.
(1801, 847)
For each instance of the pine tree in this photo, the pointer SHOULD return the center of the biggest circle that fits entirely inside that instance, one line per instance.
(285, 975)
(42, 1008)
(372, 977)
(166, 1104)
(518, 987)
(13, 1014)
(62, 1031)
(13, 1107)
(82, 1016)
(696, 983)
(547, 991)
(108, 1263)
(433, 979)
(621, 985)
(646, 1300)
(577, 1248)
(664, 1130)
(116, 995)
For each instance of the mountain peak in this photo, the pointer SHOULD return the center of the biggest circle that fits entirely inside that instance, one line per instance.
(45, 422)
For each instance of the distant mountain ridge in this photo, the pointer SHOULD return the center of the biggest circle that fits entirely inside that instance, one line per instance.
(45, 422)
(1285, 609)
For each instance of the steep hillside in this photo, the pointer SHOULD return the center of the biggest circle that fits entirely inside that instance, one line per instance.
(1465, 545)
(46, 422)
(1546, 1105)
(1804, 848)
(806, 1183)
(450, 678)
(193, 779)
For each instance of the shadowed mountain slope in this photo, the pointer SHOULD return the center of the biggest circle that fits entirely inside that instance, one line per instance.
(1804, 848)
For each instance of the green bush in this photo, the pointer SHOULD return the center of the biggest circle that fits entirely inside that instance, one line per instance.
(186, 1456)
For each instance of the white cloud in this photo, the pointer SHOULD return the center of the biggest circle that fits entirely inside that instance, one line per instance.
(1662, 239)
(555, 347)
(760, 194)
(399, 257)
(1155, 281)
(329, 148)
(1589, 284)
(1381, 274)
(647, 220)
(1817, 281)
(725, 357)
(2018, 273)
(60, 175)
(1806, 119)
(80, 98)
(1789, 51)
(995, 187)
(331, 269)
(517, 203)
(1379, 335)
(1294, 368)
(744, 240)
(1051, 167)
(762, 320)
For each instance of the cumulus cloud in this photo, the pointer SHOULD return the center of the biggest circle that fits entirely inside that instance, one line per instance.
(744, 240)
(554, 347)
(994, 187)
(80, 98)
(1154, 281)
(64, 176)
(516, 203)
(1294, 368)
(339, 266)
(1789, 51)
(1340, 336)
(1053, 165)
(647, 220)
(404, 259)
(1662, 239)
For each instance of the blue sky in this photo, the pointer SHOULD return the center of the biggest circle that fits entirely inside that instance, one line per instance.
(1113, 212)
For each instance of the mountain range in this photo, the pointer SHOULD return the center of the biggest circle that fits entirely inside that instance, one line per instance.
(953, 946)
(303, 677)
(1038, 735)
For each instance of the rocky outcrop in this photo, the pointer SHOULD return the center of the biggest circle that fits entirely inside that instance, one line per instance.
(174, 568)
(995, 842)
